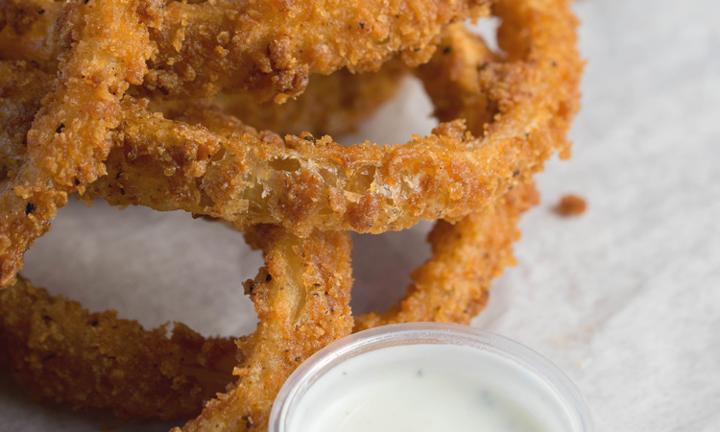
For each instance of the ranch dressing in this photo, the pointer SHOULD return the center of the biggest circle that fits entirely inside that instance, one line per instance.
(425, 387)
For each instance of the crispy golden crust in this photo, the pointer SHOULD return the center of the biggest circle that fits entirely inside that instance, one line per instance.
(71, 133)
(21, 90)
(321, 184)
(454, 285)
(302, 300)
(331, 105)
(268, 49)
(264, 49)
(62, 353)
(518, 107)
(367, 188)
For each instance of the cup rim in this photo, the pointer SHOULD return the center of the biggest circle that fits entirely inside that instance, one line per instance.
(426, 333)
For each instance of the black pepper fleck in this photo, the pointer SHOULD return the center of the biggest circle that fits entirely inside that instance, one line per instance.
(268, 278)
(362, 25)
(29, 208)
(77, 181)
(60, 128)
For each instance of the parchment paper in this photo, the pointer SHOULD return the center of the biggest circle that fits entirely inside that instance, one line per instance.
(625, 299)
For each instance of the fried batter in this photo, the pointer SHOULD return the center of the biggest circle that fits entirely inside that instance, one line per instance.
(269, 49)
(262, 49)
(331, 105)
(62, 353)
(21, 91)
(71, 134)
(366, 188)
(454, 285)
(505, 114)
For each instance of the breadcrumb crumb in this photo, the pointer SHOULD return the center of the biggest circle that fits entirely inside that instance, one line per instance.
(571, 205)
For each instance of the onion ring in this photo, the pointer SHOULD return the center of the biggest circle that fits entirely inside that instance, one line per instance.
(62, 353)
(483, 235)
(54, 357)
(331, 105)
(362, 188)
(71, 133)
(371, 189)
(266, 49)
(454, 285)
(530, 94)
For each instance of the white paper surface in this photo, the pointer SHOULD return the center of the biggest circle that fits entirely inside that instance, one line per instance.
(625, 299)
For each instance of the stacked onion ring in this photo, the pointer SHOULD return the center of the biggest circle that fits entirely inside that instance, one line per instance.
(118, 99)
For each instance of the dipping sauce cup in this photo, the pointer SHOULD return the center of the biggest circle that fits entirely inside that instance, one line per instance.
(428, 377)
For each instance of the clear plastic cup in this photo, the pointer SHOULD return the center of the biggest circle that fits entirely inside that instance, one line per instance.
(526, 366)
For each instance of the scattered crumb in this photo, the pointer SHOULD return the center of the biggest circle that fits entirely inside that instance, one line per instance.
(571, 205)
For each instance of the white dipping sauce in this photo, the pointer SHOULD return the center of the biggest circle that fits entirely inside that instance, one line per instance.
(425, 387)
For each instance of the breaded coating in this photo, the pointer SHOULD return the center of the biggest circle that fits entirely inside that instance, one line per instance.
(22, 88)
(269, 49)
(62, 353)
(262, 49)
(317, 183)
(302, 299)
(332, 105)
(95, 135)
(454, 285)
(366, 188)
(71, 134)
